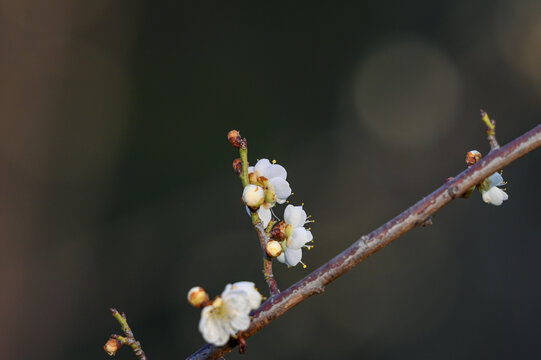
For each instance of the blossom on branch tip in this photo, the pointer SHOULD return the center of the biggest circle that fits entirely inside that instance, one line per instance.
(295, 236)
(229, 313)
(490, 191)
(272, 178)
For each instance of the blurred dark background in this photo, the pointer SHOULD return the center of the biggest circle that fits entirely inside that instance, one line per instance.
(116, 187)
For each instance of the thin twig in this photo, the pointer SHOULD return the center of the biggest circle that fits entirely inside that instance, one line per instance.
(116, 341)
(315, 282)
(267, 261)
(491, 130)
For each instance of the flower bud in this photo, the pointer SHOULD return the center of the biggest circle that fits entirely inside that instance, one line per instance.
(234, 138)
(279, 231)
(273, 248)
(111, 346)
(237, 166)
(253, 196)
(472, 157)
(197, 296)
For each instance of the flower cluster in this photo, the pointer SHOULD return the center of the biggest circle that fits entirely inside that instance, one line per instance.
(489, 188)
(490, 191)
(292, 236)
(228, 313)
(268, 187)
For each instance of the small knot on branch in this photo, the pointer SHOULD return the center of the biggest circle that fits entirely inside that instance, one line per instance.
(424, 223)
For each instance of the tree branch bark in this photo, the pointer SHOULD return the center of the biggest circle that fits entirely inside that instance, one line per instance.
(315, 282)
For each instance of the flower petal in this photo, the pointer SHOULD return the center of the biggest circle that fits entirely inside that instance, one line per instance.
(265, 215)
(253, 296)
(281, 258)
(240, 322)
(236, 302)
(496, 179)
(295, 216)
(275, 170)
(299, 237)
(495, 196)
(293, 256)
(212, 328)
(282, 190)
(261, 166)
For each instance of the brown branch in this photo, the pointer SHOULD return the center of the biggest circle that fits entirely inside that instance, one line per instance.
(416, 215)
(267, 261)
(115, 342)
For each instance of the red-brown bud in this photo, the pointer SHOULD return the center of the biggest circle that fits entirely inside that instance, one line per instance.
(237, 166)
(112, 346)
(472, 157)
(234, 138)
(279, 231)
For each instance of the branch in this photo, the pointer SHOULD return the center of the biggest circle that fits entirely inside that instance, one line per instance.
(240, 166)
(417, 215)
(116, 341)
(267, 261)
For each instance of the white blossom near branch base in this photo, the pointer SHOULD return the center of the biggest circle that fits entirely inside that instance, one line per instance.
(296, 236)
(229, 312)
(490, 191)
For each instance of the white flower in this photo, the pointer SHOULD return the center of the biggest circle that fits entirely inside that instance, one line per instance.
(296, 236)
(490, 191)
(272, 177)
(229, 312)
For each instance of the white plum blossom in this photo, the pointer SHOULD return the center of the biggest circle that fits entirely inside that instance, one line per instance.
(296, 236)
(229, 313)
(490, 191)
(272, 178)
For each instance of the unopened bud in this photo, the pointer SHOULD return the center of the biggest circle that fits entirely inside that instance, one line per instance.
(273, 248)
(197, 296)
(237, 166)
(253, 196)
(234, 138)
(111, 346)
(472, 157)
(279, 231)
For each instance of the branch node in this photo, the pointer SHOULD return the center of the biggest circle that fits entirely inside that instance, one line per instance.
(453, 191)
(116, 341)
(426, 222)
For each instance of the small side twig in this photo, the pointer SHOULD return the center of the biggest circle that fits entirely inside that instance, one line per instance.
(491, 130)
(115, 341)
